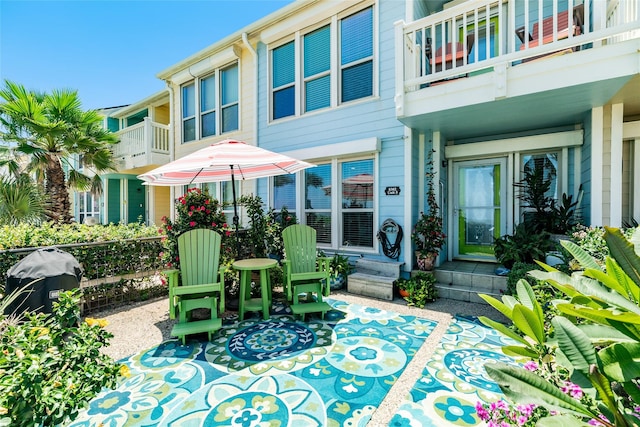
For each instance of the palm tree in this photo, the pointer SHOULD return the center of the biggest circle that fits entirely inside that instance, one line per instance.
(49, 130)
(21, 200)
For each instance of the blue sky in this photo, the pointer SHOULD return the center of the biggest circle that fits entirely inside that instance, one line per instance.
(110, 51)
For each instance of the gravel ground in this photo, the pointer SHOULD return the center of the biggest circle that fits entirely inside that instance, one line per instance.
(140, 326)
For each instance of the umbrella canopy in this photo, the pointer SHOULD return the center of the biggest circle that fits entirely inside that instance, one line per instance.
(355, 188)
(222, 161)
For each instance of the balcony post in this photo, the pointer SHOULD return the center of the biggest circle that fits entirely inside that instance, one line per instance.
(148, 137)
(400, 66)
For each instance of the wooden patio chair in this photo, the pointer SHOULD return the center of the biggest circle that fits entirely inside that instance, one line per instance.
(562, 30)
(198, 284)
(304, 271)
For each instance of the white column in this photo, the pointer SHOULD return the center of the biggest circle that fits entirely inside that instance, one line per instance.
(408, 197)
(597, 140)
(615, 213)
(636, 178)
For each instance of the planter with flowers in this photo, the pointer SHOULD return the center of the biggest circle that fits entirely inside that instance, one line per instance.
(427, 234)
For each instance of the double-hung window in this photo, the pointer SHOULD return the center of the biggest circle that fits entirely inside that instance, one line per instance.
(356, 56)
(210, 104)
(322, 58)
(339, 203)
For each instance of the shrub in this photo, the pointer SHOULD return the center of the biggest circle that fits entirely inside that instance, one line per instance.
(196, 209)
(51, 365)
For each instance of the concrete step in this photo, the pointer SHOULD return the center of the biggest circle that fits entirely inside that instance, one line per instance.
(464, 281)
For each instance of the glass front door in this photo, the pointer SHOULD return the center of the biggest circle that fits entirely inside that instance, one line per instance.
(479, 207)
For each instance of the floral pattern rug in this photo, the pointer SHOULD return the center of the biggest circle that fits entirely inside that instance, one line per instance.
(276, 372)
(454, 378)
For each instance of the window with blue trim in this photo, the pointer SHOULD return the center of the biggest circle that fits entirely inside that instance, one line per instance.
(353, 66)
(356, 60)
(210, 104)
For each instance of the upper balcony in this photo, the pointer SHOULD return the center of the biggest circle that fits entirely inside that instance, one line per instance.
(479, 52)
(143, 144)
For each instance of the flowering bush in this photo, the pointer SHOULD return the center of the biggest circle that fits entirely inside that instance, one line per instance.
(427, 233)
(51, 365)
(195, 209)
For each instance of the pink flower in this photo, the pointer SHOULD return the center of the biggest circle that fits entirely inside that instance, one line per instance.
(482, 412)
(190, 213)
(531, 366)
(183, 201)
(169, 264)
(206, 202)
(213, 224)
(192, 224)
(228, 233)
(208, 211)
(192, 208)
(572, 389)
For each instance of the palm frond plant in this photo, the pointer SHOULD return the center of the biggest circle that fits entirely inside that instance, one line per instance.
(59, 141)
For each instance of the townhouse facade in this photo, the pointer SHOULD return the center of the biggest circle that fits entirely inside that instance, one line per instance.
(366, 89)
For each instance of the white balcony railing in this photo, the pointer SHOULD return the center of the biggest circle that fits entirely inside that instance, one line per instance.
(479, 34)
(142, 144)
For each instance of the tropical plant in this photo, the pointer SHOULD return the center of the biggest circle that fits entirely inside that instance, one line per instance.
(427, 234)
(595, 340)
(21, 200)
(421, 288)
(275, 223)
(542, 212)
(51, 365)
(339, 266)
(49, 130)
(525, 245)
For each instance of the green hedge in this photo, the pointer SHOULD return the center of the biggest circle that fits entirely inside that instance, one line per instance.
(103, 251)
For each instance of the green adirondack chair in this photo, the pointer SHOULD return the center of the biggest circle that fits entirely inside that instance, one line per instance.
(198, 284)
(304, 271)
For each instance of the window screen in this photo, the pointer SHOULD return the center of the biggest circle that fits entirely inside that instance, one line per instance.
(208, 105)
(356, 55)
(357, 194)
(318, 201)
(188, 113)
(283, 80)
(229, 89)
(317, 64)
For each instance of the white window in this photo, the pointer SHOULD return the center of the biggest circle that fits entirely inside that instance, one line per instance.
(353, 66)
(88, 206)
(210, 104)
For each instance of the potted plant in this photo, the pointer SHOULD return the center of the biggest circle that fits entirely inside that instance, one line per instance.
(427, 234)
(418, 289)
(339, 268)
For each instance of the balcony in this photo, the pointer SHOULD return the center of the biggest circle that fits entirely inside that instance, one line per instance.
(482, 51)
(143, 144)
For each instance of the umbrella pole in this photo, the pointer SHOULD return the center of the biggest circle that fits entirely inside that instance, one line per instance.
(235, 212)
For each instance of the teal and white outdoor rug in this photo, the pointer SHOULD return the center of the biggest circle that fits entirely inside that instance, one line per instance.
(454, 378)
(278, 372)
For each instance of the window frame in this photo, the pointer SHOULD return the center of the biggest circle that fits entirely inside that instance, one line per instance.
(337, 209)
(217, 109)
(335, 69)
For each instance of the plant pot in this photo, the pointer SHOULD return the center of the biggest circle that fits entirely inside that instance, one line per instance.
(403, 293)
(426, 262)
(337, 283)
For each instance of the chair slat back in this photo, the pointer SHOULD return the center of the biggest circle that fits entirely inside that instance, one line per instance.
(199, 252)
(300, 247)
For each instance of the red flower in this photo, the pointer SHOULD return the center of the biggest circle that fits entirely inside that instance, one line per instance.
(177, 258)
(164, 219)
(160, 230)
(192, 208)
(227, 233)
(206, 202)
(169, 264)
(213, 224)
(192, 223)
(183, 201)
(225, 225)
(208, 211)
(190, 213)
(168, 227)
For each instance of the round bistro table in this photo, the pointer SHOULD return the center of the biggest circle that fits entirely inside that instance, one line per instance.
(245, 302)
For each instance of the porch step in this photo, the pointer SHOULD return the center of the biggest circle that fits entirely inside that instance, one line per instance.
(374, 278)
(463, 281)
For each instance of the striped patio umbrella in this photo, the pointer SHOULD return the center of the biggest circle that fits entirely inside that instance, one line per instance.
(224, 161)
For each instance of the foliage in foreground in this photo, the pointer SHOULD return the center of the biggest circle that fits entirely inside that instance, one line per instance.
(51, 365)
(584, 366)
